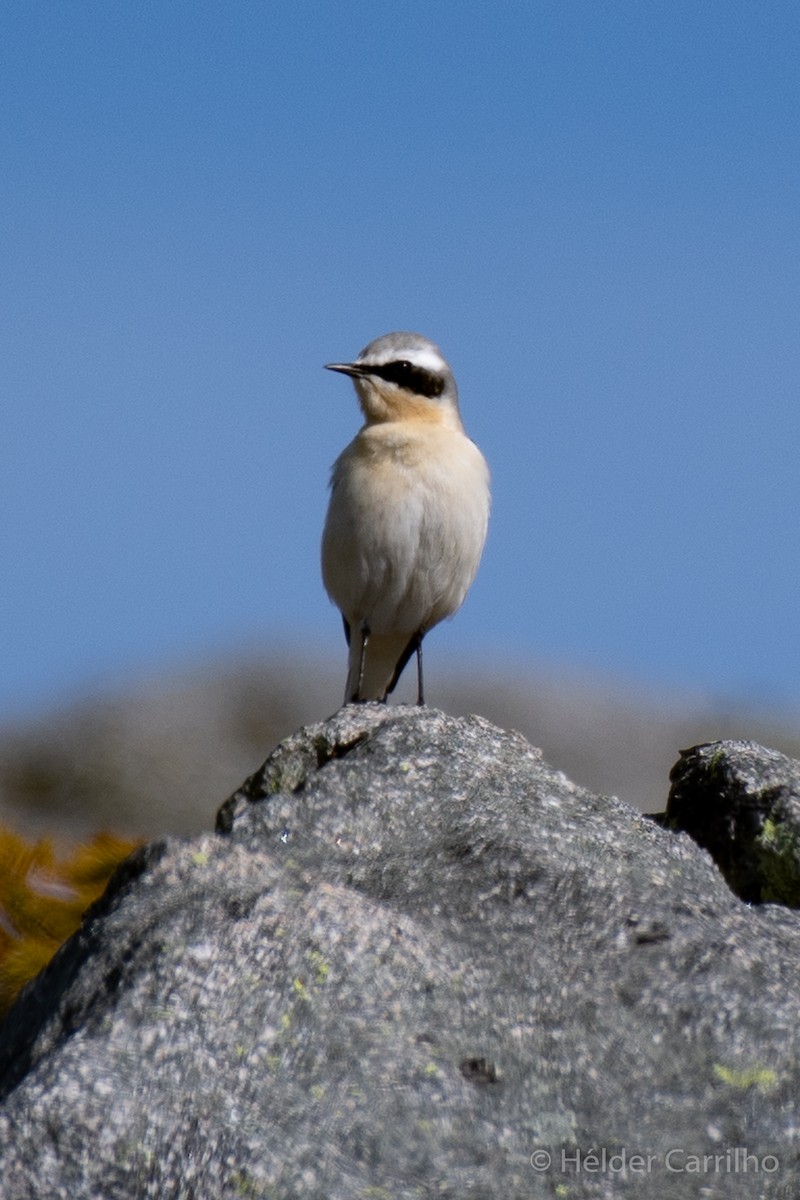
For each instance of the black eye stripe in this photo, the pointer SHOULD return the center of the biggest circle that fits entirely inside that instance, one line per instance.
(414, 379)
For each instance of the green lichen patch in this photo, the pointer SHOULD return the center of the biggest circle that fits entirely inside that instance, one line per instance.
(762, 1078)
(778, 850)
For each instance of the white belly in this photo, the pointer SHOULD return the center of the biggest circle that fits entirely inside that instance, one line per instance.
(405, 528)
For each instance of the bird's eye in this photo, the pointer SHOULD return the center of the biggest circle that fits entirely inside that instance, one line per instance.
(413, 379)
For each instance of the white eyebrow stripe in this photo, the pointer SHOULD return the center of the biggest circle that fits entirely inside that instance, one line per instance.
(428, 360)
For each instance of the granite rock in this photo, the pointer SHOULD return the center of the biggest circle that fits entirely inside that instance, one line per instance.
(413, 961)
(741, 802)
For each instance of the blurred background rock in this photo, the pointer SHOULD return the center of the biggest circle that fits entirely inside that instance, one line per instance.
(159, 753)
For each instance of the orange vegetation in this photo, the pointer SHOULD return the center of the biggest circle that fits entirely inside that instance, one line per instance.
(43, 895)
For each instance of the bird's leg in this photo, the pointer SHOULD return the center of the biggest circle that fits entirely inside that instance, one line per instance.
(362, 662)
(414, 647)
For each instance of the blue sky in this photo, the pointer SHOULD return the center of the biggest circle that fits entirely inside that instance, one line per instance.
(591, 207)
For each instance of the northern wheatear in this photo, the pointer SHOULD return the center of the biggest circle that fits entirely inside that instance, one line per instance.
(408, 512)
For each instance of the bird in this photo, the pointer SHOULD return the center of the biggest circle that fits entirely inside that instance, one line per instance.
(408, 512)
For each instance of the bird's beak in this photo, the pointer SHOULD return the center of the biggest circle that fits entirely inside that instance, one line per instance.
(354, 369)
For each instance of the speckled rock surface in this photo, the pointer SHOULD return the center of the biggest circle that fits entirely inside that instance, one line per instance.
(741, 802)
(414, 961)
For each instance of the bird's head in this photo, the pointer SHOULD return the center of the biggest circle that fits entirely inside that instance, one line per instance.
(403, 376)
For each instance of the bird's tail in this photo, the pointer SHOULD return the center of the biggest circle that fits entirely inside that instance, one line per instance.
(384, 652)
